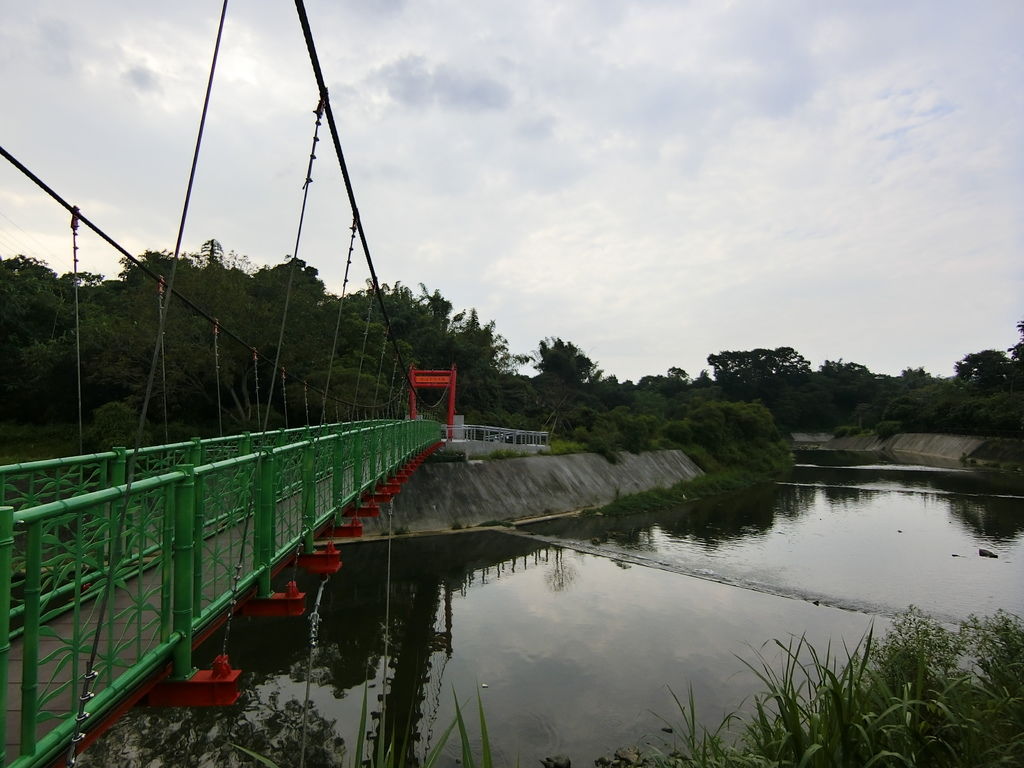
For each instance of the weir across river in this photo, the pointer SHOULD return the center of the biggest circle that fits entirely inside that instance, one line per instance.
(131, 561)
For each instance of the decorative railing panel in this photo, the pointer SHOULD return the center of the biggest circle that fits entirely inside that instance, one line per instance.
(199, 517)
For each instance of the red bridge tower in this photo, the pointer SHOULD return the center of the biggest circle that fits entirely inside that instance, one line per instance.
(433, 380)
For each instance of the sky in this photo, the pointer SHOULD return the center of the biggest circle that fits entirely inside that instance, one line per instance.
(654, 181)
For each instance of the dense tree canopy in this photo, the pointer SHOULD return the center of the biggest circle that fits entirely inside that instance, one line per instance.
(209, 377)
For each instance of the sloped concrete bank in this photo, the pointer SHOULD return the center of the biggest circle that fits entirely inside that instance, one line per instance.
(441, 496)
(952, 447)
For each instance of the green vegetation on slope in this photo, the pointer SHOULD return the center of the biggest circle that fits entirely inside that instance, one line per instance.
(736, 444)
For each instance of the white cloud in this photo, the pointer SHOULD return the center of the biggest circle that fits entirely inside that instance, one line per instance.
(654, 181)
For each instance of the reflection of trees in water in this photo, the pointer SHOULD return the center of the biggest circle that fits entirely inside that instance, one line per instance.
(709, 521)
(792, 501)
(845, 497)
(561, 572)
(990, 518)
(638, 537)
(717, 520)
(265, 720)
(273, 652)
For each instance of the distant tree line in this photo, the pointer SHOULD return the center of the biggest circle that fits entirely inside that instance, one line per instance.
(568, 393)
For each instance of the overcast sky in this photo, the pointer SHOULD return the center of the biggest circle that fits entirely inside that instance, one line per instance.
(653, 181)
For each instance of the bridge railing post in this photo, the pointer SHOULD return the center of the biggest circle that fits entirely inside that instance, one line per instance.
(30, 635)
(197, 459)
(167, 565)
(380, 452)
(195, 452)
(118, 467)
(6, 548)
(357, 463)
(337, 471)
(308, 495)
(183, 612)
(263, 530)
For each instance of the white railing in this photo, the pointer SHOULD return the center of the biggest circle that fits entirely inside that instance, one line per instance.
(498, 435)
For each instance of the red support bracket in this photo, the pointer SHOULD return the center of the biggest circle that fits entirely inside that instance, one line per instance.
(325, 561)
(366, 510)
(350, 530)
(291, 602)
(214, 687)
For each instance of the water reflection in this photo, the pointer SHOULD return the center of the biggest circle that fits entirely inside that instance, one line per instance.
(578, 650)
(869, 536)
(710, 523)
(404, 693)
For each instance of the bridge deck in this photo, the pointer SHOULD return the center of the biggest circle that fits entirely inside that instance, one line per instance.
(185, 534)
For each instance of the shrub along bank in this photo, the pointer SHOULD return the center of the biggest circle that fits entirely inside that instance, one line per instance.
(924, 696)
(736, 444)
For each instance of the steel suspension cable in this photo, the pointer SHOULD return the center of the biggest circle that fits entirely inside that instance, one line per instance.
(314, 60)
(78, 325)
(337, 323)
(391, 387)
(284, 395)
(163, 359)
(362, 352)
(216, 366)
(295, 256)
(141, 265)
(256, 375)
(380, 370)
(115, 544)
(188, 302)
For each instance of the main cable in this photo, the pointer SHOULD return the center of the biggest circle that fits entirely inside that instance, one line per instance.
(291, 272)
(314, 60)
(115, 553)
(142, 266)
(78, 326)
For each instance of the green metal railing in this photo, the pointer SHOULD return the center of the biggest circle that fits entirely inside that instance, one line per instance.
(195, 512)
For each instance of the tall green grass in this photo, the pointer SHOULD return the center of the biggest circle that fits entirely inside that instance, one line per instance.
(924, 696)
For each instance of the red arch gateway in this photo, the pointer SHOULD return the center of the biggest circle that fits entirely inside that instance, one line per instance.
(419, 379)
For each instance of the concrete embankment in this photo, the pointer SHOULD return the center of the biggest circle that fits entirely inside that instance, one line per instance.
(440, 496)
(951, 447)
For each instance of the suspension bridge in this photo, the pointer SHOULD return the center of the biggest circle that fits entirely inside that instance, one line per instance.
(201, 534)
(116, 566)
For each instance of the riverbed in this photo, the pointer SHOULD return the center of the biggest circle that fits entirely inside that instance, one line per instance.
(577, 634)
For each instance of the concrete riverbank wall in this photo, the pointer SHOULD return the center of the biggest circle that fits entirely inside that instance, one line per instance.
(950, 447)
(441, 496)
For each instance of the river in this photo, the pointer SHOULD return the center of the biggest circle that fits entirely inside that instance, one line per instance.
(576, 634)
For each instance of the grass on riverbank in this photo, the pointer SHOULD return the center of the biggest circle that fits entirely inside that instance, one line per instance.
(924, 696)
(735, 444)
(699, 487)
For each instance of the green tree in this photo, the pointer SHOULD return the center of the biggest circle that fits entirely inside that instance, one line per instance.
(989, 370)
